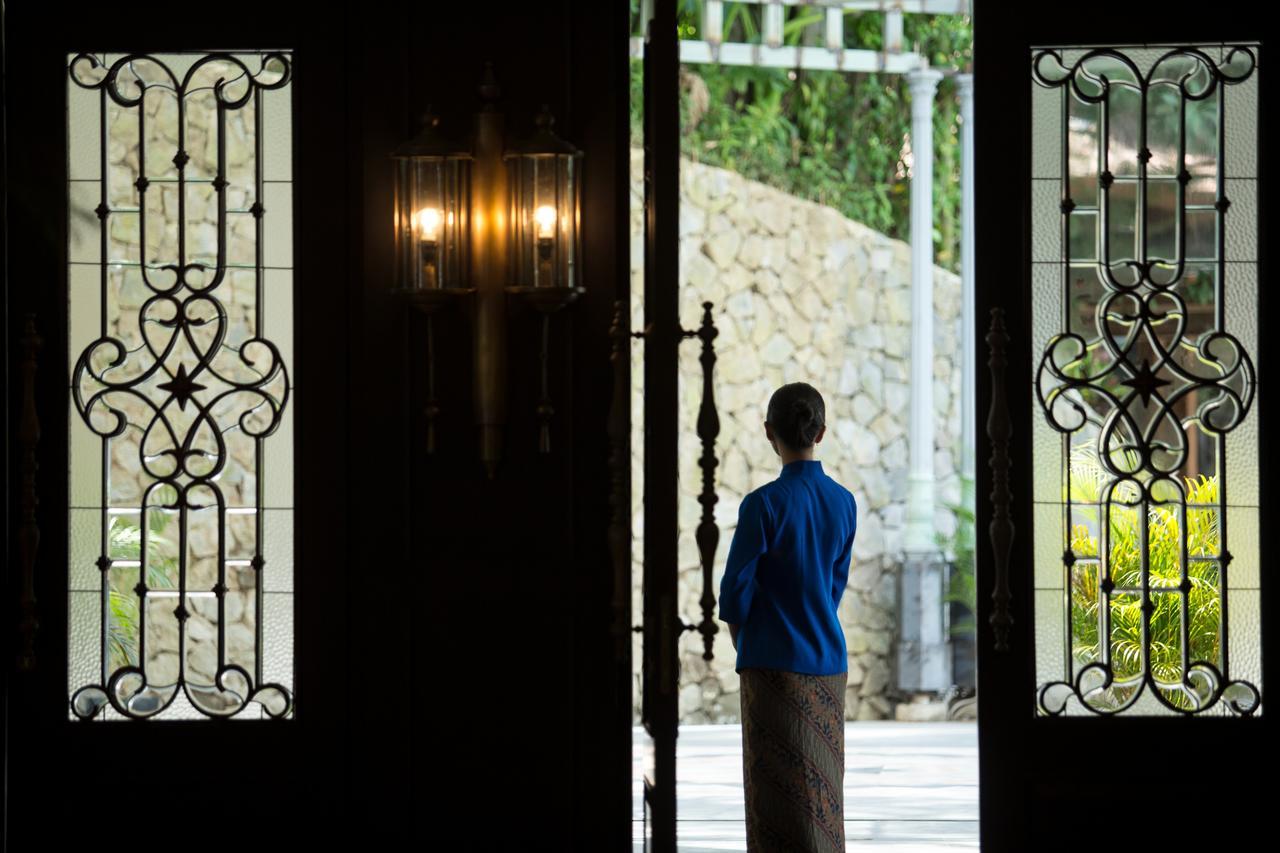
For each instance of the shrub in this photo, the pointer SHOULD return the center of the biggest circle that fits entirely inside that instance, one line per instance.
(1124, 557)
(125, 540)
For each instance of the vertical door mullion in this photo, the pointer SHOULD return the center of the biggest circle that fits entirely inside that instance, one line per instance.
(661, 344)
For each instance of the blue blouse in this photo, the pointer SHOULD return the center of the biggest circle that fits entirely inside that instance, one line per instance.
(786, 572)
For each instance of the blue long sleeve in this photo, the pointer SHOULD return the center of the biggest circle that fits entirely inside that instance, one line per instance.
(750, 542)
(840, 574)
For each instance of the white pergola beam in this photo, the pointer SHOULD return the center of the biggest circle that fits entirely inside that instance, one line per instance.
(713, 21)
(892, 40)
(835, 29)
(812, 58)
(773, 13)
(911, 7)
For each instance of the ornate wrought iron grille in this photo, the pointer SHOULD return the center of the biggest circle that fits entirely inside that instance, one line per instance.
(180, 308)
(1144, 302)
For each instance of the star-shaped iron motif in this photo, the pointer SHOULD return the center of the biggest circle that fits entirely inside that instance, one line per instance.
(182, 386)
(1145, 382)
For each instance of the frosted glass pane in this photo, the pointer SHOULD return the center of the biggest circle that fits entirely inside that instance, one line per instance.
(277, 132)
(1047, 526)
(277, 463)
(278, 315)
(1051, 637)
(1244, 630)
(1241, 130)
(277, 574)
(191, 398)
(1242, 541)
(1046, 302)
(1046, 221)
(1240, 303)
(84, 230)
(86, 546)
(1241, 319)
(85, 461)
(84, 307)
(277, 666)
(1240, 224)
(84, 636)
(83, 152)
(1046, 145)
(1046, 443)
(278, 242)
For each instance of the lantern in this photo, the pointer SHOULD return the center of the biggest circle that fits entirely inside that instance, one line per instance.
(545, 248)
(432, 204)
(488, 228)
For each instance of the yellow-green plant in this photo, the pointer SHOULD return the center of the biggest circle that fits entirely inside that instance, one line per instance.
(963, 582)
(1164, 568)
(125, 539)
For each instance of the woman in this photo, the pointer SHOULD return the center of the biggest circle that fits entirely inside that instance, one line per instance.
(785, 575)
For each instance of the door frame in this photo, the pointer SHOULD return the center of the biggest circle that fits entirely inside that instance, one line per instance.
(662, 624)
(1037, 791)
(303, 758)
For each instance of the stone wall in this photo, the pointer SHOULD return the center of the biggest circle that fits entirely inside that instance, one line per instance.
(800, 294)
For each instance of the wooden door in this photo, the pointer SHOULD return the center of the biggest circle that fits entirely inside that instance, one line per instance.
(161, 210)
(1127, 627)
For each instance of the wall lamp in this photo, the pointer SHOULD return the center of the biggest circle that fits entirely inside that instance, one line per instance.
(478, 225)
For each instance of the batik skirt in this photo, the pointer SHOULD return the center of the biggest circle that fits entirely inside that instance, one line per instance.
(793, 760)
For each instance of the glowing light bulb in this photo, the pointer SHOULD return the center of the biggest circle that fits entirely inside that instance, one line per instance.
(545, 218)
(427, 223)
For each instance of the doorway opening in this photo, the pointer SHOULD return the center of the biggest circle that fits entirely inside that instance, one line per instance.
(796, 225)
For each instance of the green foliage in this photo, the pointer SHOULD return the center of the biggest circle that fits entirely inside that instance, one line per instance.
(963, 582)
(1124, 554)
(831, 137)
(124, 537)
(1197, 286)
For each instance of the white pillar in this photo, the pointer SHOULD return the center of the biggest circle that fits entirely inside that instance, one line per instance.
(918, 538)
(969, 363)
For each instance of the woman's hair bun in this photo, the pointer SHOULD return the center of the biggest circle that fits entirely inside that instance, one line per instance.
(797, 414)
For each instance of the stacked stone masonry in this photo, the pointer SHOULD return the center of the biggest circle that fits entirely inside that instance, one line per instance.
(800, 293)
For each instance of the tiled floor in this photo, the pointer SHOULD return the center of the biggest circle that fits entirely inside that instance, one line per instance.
(908, 787)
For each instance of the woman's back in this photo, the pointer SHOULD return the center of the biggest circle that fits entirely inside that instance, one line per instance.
(787, 569)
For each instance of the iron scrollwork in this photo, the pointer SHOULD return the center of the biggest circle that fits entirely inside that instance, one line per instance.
(708, 532)
(183, 387)
(1130, 393)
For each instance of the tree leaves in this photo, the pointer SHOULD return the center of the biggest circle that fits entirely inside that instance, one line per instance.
(826, 136)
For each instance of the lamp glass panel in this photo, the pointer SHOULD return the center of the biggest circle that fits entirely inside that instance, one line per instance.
(431, 214)
(545, 220)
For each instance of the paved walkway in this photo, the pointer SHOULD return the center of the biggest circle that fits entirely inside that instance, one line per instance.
(908, 787)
